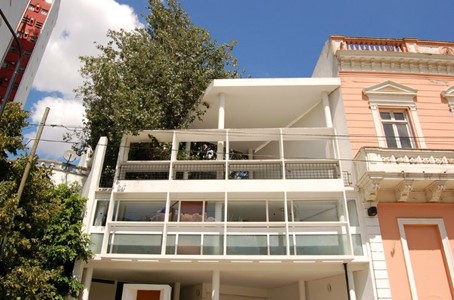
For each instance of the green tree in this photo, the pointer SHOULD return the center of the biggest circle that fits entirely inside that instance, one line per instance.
(150, 78)
(44, 230)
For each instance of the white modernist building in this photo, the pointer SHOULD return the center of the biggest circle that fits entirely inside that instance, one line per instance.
(250, 203)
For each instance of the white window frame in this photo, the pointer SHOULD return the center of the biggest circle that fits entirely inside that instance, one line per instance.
(394, 122)
(445, 243)
(391, 95)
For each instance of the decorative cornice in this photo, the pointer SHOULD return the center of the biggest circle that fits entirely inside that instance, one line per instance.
(434, 190)
(395, 62)
(403, 190)
(449, 96)
(371, 188)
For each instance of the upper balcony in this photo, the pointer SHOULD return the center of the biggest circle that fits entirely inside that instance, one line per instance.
(391, 55)
(385, 174)
(236, 160)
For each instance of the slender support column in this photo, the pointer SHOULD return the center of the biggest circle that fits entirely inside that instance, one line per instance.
(215, 285)
(349, 281)
(302, 290)
(187, 149)
(328, 120)
(87, 283)
(176, 291)
(221, 112)
(221, 124)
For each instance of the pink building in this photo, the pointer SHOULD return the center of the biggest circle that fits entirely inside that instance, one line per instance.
(396, 100)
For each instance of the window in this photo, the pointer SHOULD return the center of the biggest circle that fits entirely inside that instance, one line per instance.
(396, 129)
(392, 106)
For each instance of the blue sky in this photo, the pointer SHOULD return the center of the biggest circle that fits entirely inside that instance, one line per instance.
(274, 39)
(284, 38)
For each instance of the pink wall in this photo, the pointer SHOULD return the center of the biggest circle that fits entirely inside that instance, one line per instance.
(395, 261)
(437, 121)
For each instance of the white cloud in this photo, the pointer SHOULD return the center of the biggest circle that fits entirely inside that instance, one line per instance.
(64, 115)
(80, 23)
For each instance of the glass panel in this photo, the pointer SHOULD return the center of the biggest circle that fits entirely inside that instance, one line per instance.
(277, 245)
(389, 134)
(246, 245)
(101, 213)
(174, 211)
(171, 244)
(385, 115)
(213, 244)
(246, 211)
(189, 244)
(138, 211)
(214, 211)
(357, 245)
(191, 211)
(96, 242)
(136, 244)
(404, 138)
(315, 211)
(276, 211)
(329, 244)
(352, 213)
(399, 116)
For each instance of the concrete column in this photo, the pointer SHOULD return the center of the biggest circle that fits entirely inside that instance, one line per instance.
(221, 124)
(302, 290)
(328, 120)
(176, 291)
(87, 283)
(221, 112)
(215, 285)
(350, 282)
(187, 149)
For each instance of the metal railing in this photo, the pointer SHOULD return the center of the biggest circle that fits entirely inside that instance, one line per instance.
(232, 170)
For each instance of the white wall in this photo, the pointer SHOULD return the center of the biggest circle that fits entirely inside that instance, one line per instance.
(331, 288)
(13, 10)
(102, 291)
(326, 65)
(290, 292)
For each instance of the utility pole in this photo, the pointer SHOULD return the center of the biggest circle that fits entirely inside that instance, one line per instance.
(25, 176)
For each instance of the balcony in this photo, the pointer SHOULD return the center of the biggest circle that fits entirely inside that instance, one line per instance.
(230, 170)
(274, 158)
(228, 225)
(405, 174)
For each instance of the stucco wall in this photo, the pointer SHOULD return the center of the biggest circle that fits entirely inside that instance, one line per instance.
(102, 291)
(393, 249)
(287, 292)
(331, 288)
(436, 120)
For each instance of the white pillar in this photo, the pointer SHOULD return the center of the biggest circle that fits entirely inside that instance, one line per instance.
(87, 283)
(302, 290)
(328, 121)
(351, 284)
(215, 285)
(221, 112)
(221, 124)
(176, 291)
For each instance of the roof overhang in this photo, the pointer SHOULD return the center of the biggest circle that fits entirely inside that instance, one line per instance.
(263, 103)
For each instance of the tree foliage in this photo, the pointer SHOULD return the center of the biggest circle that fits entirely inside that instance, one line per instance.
(150, 78)
(44, 230)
